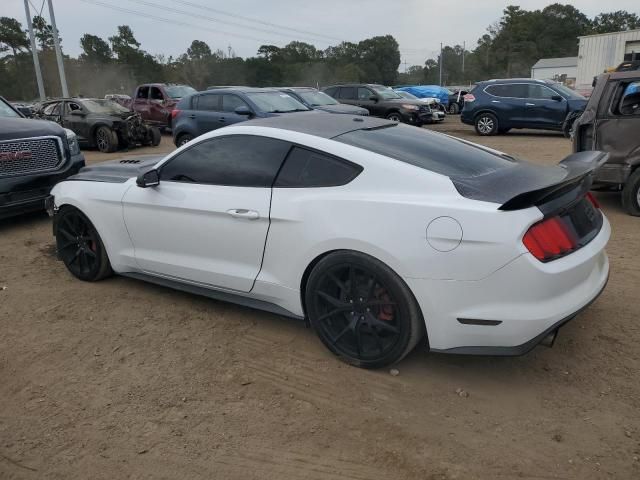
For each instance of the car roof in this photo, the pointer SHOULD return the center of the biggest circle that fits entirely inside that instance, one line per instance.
(296, 88)
(624, 75)
(238, 90)
(516, 80)
(325, 125)
(356, 85)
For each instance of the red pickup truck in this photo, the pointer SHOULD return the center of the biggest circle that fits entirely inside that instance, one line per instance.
(155, 101)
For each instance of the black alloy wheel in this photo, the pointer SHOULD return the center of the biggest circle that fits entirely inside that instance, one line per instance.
(362, 311)
(394, 117)
(106, 140)
(80, 247)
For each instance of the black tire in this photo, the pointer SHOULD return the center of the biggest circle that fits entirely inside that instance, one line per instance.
(362, 311)
(106, 139)
(631, 194)
(80, 247)
(454, 108)
(486, 124)
(395, 117)
(183, 139)
(567, 125)
(156, 136)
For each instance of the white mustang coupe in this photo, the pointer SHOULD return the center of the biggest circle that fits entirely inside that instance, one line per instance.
(381, 235)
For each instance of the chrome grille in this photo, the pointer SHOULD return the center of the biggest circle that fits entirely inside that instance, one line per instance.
(29, 155)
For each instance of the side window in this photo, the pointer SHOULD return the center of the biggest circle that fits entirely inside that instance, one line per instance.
(143, 93)
(155, 94)
(347, 93)
(209, 102)
(71, 106)
(630, 101)
(513, 90)
(307, 168)
(331, 91)
(52, 109)
(540, 92)
(364, 93)
(231, 102)
(236, 160)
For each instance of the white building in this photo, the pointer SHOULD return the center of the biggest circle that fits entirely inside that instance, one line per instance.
(600, 52)
(560, 69)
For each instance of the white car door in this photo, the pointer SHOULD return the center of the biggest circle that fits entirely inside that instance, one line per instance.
(207, 219)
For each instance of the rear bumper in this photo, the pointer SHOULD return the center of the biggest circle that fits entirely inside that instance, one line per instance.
(612, 174)
(514, 308)
(27, 193)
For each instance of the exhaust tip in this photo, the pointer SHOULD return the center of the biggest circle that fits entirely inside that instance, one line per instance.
(550, 339)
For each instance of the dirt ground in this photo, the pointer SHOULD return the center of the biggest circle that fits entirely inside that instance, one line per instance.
(123, 379)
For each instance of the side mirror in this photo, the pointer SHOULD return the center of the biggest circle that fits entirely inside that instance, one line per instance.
(243, 110)
(373, 98)
(557, 98)
(148, 179)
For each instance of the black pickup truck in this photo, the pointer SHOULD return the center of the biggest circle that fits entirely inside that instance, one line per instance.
(34, 156)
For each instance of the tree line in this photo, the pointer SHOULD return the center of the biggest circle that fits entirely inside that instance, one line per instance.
(509, 48)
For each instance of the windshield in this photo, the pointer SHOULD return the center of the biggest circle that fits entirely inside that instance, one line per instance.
(179, 91)
(385, 92)
(104, 106)
(7, 111)
(566, 91)
(315, 98)
(407, 95)
(276, 102)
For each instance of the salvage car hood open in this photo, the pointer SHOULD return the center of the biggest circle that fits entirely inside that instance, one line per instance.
(117, 171)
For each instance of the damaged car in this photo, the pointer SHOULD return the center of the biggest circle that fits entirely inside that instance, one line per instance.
(611, 123)
(99, 123)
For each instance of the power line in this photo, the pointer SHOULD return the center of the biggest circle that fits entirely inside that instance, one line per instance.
(212, 19)
(262, 22)
(169, 21)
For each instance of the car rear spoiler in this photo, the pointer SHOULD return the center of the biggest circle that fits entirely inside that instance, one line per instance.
(579, 166)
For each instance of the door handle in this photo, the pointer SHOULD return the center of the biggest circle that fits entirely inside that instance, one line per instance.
(192, 117)
(530, 104)
(244, 213)
(222, 119)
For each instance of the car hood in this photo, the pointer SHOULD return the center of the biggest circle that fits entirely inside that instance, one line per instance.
(117, 171)
(405, 101)
(342, 108)
(12, 128)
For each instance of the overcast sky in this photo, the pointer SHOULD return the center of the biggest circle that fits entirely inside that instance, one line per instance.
(418, 25)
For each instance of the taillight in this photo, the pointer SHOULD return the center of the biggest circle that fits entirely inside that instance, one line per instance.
(175, 112)
(550, 239)
(469, 97)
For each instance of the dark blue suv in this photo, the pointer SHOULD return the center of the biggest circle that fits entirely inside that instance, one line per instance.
(497, 106)
(202, 112)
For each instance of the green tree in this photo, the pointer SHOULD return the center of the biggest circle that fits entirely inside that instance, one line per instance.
(380, 59)
(94, 49)
(198, 50)
(615, 22)
(43, 32)
(12, 36)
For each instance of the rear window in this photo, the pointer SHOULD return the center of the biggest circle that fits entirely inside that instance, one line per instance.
(429, 150)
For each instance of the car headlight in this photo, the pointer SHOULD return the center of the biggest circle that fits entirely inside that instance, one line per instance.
(72, 140)
(410, 107)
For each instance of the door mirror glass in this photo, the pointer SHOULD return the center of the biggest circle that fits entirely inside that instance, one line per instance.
(557, 98)
(148, 179)
(243, 110)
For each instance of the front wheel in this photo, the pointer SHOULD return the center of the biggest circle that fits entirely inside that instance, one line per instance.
(631, 194)
(106, 140)
(486, 124)
(80, 247)
(394, 117)
(362, 311)
(183, 139)
(155, 135)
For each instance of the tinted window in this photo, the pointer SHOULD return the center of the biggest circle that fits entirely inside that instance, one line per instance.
(71, 106)
(428, 150)
(348, 93)
(208, 102)
(516, 90)
(541, 92)
(155, 94)
(630, 102)
(364, 93)
(231, 102)
(237, 160)
(143, 92)
(307, 168)
(7, 111)
(331, 91)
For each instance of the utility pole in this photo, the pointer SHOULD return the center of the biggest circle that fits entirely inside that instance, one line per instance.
(34, 52)
(464, 49)
(56, 42)
(441, 64)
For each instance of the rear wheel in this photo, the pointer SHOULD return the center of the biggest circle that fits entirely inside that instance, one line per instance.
(362, 311)
(394, 117)
(454, 108)
(106, 140)
(631, 194)
(155, 135)
(486, 124)
(80, 247)
(183, 139)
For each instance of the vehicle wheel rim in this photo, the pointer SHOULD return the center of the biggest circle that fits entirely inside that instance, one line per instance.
(356, 313)
(77, 244)
(185, 141)
(485, 125)
(103, 142)
(394, 118)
